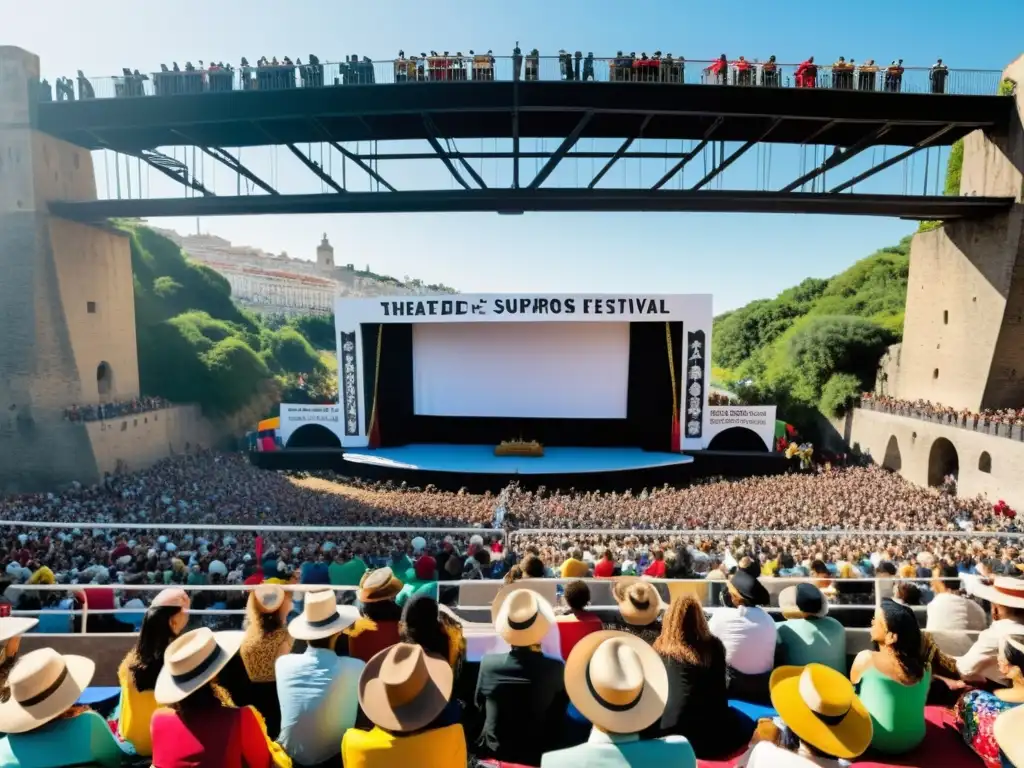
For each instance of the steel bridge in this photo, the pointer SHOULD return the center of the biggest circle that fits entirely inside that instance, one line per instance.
(219, 119)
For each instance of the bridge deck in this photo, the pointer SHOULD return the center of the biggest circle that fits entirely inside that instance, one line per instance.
(518, 201)
(544, 109)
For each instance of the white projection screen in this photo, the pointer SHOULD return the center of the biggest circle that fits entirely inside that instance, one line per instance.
(521, 370)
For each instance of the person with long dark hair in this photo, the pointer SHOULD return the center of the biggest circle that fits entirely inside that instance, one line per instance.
(165, 619)
(698, 705)
(893, 681)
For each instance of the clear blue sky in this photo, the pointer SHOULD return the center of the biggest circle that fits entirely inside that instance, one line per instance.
(735, 257)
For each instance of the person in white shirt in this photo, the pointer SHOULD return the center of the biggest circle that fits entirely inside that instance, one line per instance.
(748, 634)
(823, 715)
(951, 614)
(981, 662)
(318, 689)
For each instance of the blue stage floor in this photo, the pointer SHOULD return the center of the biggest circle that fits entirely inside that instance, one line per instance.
(480, 459)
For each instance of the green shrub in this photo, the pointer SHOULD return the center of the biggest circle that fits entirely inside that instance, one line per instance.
(839, 394)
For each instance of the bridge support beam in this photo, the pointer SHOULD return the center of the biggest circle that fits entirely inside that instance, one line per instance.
(66, 299)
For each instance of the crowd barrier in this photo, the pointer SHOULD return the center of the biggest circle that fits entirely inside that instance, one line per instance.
(454, 68)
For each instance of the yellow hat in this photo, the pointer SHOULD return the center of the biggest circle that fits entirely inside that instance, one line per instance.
(820, 706)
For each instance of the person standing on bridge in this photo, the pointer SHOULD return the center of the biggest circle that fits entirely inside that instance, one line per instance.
(867, 76)
(742, 68)
(807, 74)
(937, 76)
(770, 73)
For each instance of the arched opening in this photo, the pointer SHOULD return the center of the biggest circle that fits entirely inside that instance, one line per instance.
(105, 380)
(737, 439)
(943, 461)
(985, 462)
(892, 459)
(313, 436)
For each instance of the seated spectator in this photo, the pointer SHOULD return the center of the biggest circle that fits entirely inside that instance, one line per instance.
(165, 619)
(656, 570)
(379, 628)
(202, 729)
(620, 685)
(820, 708)
(44, 726)
(809, 635)
(697, 706)
(317, 689)
(605, 567)
(522, 691)
(748, 634)
(1007, 598)
(11, 630)
(422, 624)
(577, 622)
(640, 608)
(423, 581)
(1008, 729)
(347, 570)
(574, 567)
(977, 711)
(406, 693)
(894, 680)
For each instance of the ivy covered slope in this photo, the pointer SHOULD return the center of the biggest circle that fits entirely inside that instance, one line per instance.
(196, 346)
(815, 345)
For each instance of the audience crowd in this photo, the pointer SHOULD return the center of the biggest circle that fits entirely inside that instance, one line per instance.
(101, 411)
(962, 417)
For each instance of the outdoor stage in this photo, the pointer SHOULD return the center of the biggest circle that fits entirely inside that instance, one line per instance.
(480, 459)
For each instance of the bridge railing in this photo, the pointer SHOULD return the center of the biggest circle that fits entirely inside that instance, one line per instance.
(524, 68)
(973, 423)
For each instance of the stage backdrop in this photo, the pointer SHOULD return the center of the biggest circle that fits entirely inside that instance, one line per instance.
(438, 369)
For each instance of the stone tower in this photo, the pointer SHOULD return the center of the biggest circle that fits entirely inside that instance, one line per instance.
(325, 254)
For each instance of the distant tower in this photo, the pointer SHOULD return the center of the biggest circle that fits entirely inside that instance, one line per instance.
(325, 254)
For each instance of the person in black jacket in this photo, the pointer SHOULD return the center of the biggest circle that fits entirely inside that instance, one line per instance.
(522, 692)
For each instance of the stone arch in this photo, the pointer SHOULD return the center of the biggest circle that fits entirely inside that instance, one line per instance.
(893, 460)
(737, 439)
(985, 462)
(105, 380)
(943, 460)
(313, 436)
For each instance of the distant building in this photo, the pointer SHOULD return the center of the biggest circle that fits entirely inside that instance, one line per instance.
(280, 284)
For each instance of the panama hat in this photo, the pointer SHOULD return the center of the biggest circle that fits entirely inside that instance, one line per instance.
(322, 617)
(378, 585)
(193, 660)
(534, 585)
(13, 626)
(1003, 590)
(803, 601)
(268, 598)
(43, 685)
(820, 706)
(616, 681)
(403, 688)
(1007, 731)
(524, 618)
(638, 601)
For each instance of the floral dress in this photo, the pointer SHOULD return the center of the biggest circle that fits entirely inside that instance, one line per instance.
(976, 713)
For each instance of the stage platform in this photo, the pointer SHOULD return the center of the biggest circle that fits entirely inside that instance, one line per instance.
(480, 460)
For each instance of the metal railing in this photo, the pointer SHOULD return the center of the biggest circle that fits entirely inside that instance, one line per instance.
(973, 423)
(525, 68)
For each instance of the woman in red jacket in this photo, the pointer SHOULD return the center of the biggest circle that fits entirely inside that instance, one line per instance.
(202, 729)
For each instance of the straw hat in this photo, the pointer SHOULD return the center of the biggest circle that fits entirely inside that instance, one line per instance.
(524, 618)
(1007, 731)
(322, 617)
(1003, 590)
(820, 706)
(12, 626)
(803, 601)
(268, 598)
(378, 585)
(616, 681)
(534, 585)
(193, 660)
(638, 601)
(403, 688)
(43, 684)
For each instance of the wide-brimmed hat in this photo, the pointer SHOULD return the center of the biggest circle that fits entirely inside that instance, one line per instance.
(1003, 590)
(322, 617)
(750, 588)
(378, 585)
(524, 617)
(804, 601)
(534, 585)
(193, 660)
(403, 688)
(12, 626)
(821, 707)
(1007, 731)
(638, 601)
(616, 681)
(268, 598)
(43, 685)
